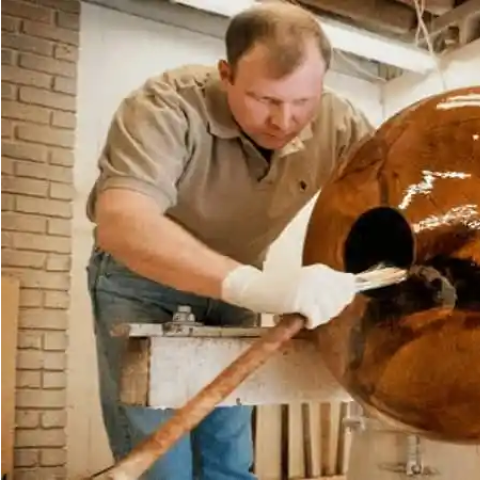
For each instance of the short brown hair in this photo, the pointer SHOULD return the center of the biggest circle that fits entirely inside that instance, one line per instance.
(283, 27)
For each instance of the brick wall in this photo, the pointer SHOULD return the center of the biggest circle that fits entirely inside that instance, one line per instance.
(39, 67)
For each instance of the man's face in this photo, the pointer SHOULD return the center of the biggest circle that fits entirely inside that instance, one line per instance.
(272, 111)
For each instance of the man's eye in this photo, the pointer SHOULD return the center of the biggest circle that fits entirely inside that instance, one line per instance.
(266, 100)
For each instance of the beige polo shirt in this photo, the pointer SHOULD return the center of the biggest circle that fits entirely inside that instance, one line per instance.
(175, 140)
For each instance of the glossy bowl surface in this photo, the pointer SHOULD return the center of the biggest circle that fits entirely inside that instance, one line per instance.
(409, 196)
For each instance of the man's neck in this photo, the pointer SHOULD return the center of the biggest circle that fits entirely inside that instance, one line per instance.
(265, 152)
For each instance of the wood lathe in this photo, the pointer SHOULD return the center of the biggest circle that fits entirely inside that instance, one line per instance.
(408, 353)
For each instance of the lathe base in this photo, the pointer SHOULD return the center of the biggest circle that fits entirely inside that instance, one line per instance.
(166, 365)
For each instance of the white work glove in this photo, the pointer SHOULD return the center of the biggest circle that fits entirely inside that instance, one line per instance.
(316, 291)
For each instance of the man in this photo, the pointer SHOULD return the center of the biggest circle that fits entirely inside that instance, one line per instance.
(201, 171)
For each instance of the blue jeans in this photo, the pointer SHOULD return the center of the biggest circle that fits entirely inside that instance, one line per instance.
(220, 447)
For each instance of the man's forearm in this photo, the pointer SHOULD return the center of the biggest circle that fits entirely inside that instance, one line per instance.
(157, 248)
(132, 228)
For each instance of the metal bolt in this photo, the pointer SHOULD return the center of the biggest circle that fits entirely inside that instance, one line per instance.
(414, 456)
(354, 424)
(184, 314)
(414, 469)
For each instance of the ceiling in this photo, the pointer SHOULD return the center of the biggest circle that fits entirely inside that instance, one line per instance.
(450, 23)
(436, 26)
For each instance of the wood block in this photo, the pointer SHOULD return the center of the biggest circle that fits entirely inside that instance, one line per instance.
(10, 306)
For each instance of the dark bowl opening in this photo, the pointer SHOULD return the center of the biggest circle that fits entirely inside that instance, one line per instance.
(379, 235)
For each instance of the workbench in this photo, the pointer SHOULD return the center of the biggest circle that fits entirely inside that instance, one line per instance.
(165, 365)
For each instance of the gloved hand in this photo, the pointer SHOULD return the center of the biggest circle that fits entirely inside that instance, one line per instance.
(315, 291)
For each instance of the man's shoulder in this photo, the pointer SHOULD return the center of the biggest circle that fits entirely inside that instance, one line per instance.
(181, 79)
(337, 111)
(183, 89)
(336, 103)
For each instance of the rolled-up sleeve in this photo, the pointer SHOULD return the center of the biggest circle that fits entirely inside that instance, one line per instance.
(147, 145)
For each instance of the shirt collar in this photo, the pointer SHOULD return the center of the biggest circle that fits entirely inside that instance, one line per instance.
(298, 143)
(220, 119)
(222, 124)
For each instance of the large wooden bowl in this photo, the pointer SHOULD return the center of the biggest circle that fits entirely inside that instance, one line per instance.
(409, 196)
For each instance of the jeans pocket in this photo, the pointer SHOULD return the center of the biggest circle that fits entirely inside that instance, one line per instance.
(97, 265)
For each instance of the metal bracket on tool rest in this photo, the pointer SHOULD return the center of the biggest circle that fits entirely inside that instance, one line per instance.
(183, 320)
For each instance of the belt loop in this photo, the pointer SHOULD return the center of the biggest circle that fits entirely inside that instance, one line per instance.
(104, 263)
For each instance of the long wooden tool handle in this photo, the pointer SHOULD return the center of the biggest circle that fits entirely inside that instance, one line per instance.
(196, 409)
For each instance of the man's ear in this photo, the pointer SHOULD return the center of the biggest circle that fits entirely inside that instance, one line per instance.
(225, 71)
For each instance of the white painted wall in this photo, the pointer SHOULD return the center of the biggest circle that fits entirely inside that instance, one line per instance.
(118, 52)
(459, 69)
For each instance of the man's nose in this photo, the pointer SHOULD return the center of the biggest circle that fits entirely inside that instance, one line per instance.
(282, 117)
